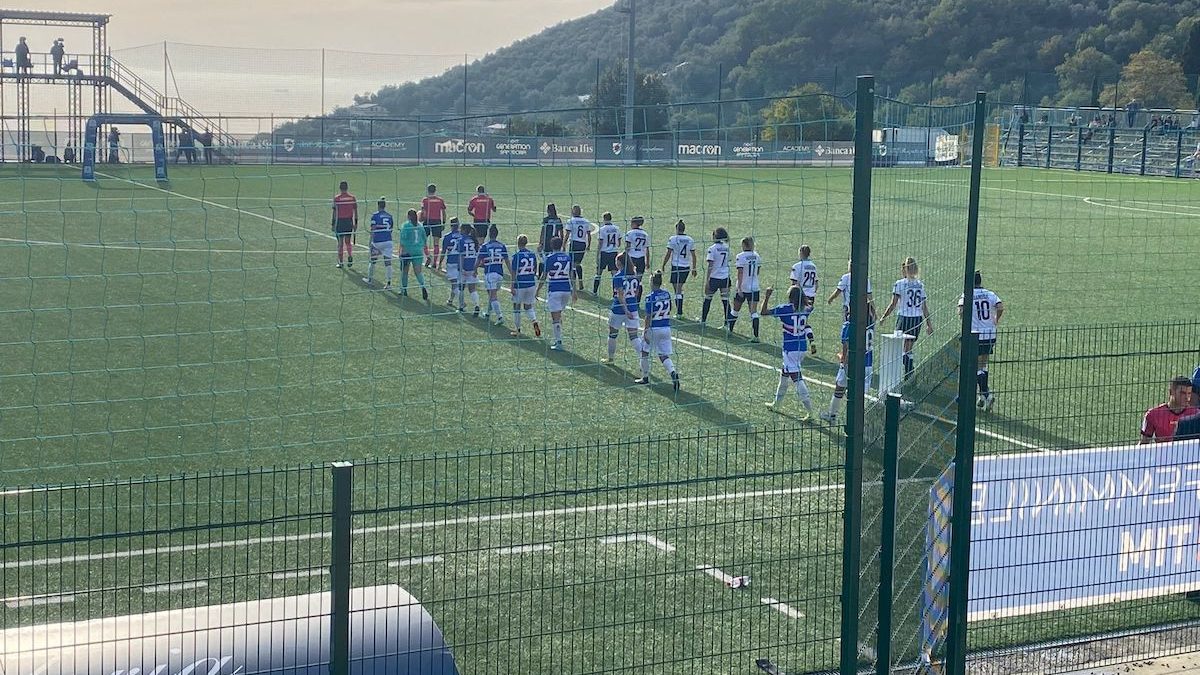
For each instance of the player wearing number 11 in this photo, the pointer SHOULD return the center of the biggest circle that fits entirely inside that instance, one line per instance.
(986, 311)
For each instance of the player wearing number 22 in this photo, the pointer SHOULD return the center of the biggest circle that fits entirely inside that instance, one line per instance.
(796, 338)
(908, 293)
(657, 331)
(986, 310)
(560, 289)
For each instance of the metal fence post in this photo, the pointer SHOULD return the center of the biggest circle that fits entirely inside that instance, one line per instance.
(1021, 144)
(887, 544)
(1112, 147)
(860, 232)
(1049, 144)
(339, 571)
(1178, 153)
(1145, 142)
(1078, 148)
(964, 450)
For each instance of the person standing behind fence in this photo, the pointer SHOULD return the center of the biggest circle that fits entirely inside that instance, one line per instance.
(1188, 428)
(206, 139)
(114, 146)
(24, 63)
(58, 54)
(986, 310)
(186, 147)
(434, 208)
(344, 224)
(1159, 422)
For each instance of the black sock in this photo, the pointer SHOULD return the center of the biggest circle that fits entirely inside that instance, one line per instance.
(983, 382)
(679, 306)
(754, 324)
(704, 310)
(725, 304)
(908, 365)
(596, 285)
(730, 319)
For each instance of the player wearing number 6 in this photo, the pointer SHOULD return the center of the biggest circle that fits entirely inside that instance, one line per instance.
(656, 333)
(909, 294)
(748, 264)
(986, 310)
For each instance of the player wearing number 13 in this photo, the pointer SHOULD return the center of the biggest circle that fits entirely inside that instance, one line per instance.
(657, 331)
(908, 293)
(986, 310)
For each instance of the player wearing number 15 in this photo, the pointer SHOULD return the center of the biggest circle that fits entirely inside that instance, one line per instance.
(493, 257)
(656, 334)
(986, 310)
(560, 287)
(908, 293)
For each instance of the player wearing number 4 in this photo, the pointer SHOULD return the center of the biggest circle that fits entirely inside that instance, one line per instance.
(986, 311)
(524, 270)
(657, 331)
(794, 316)
(626, 290)
(681, 256)
(909, 294)
(749, 264)
(558, 276)
(609, 236)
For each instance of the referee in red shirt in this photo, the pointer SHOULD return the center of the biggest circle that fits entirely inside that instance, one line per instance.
(344, 223)
(1158, 426)
(481, 208)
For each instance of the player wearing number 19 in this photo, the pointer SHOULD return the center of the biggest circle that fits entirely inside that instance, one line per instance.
(657, 331)
(986, 311)
(524, 270)
(794, 316)
(558, 277)
(908, 293)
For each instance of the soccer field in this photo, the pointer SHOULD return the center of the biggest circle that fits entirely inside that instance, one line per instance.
(200, 325)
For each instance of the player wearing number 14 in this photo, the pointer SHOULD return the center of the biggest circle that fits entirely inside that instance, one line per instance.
(609, 236)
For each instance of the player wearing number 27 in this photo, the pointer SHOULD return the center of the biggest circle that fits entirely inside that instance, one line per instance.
(986, 310)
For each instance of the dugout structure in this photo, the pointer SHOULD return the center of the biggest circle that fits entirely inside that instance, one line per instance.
(92, 138)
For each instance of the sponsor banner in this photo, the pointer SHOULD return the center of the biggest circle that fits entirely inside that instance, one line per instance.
(389, 633)
(512, 148)
(833, 152)
(298, 148)
(389, 148)
(453, 147)
(700, 150)
(566, 148)
(613, 149)
(1075, 528)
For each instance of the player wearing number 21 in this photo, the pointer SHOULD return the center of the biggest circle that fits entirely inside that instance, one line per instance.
(908, 293)
(986, 310)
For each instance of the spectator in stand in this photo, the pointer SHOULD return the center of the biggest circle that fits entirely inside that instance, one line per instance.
(58, 55)
(1073, 120)
(1188, 428)
(1155, 121)
(1043, 119)
(1195, 123)
(69, 153)
(1112, 120)
(1131, 112)
(24, 63)
(1159, 423)
(206, 139)
(186, 147)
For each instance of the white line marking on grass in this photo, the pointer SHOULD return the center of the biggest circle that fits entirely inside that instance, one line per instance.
(428, 524)
(519, 550)
(301, 574)
(1098, 202)
(715, 573)
(175, 587)
(644, 538)
(419, 560)
(38, 600)
(783, 608)
(118, 247)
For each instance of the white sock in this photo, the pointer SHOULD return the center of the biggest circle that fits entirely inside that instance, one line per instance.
(782, 388)
(495, 305)
(802, 392)
(531, 315)
(371, 270)
(669, 365)
(835, 405)
(387, 272)
(558, 331)
(475, 299)
(636, 342)
(644, 362)
(516, 317)
(612, 347)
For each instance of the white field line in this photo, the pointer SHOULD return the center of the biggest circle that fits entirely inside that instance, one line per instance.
(428, 524)
(1099, 202)
(418, 560)
(644, 538)
(519, 550)
(783, 608)
(301, 574)
(175, 587)
(715, 573)
(38, 600)
(119, 247)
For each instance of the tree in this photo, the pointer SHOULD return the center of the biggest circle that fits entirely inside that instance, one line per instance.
(651, 114)
(807, 114)
(1156, 81)
(1077, 73)
(1190, 62)
(523, 126)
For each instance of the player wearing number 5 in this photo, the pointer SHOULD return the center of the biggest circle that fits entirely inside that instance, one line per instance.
(908, 293)
(986, 310)
(656, 333)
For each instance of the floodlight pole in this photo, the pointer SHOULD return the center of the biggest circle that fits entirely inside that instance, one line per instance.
(629, 71)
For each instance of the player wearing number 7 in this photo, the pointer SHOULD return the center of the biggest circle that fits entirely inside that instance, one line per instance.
(909, 294)
(656, 332)
(986, 311)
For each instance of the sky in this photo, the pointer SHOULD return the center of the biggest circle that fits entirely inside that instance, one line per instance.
(386, 26)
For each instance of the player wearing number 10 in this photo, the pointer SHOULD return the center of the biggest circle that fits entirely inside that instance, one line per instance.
(626, 291)
(657, 331)
(909, 294)
(986, 311)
